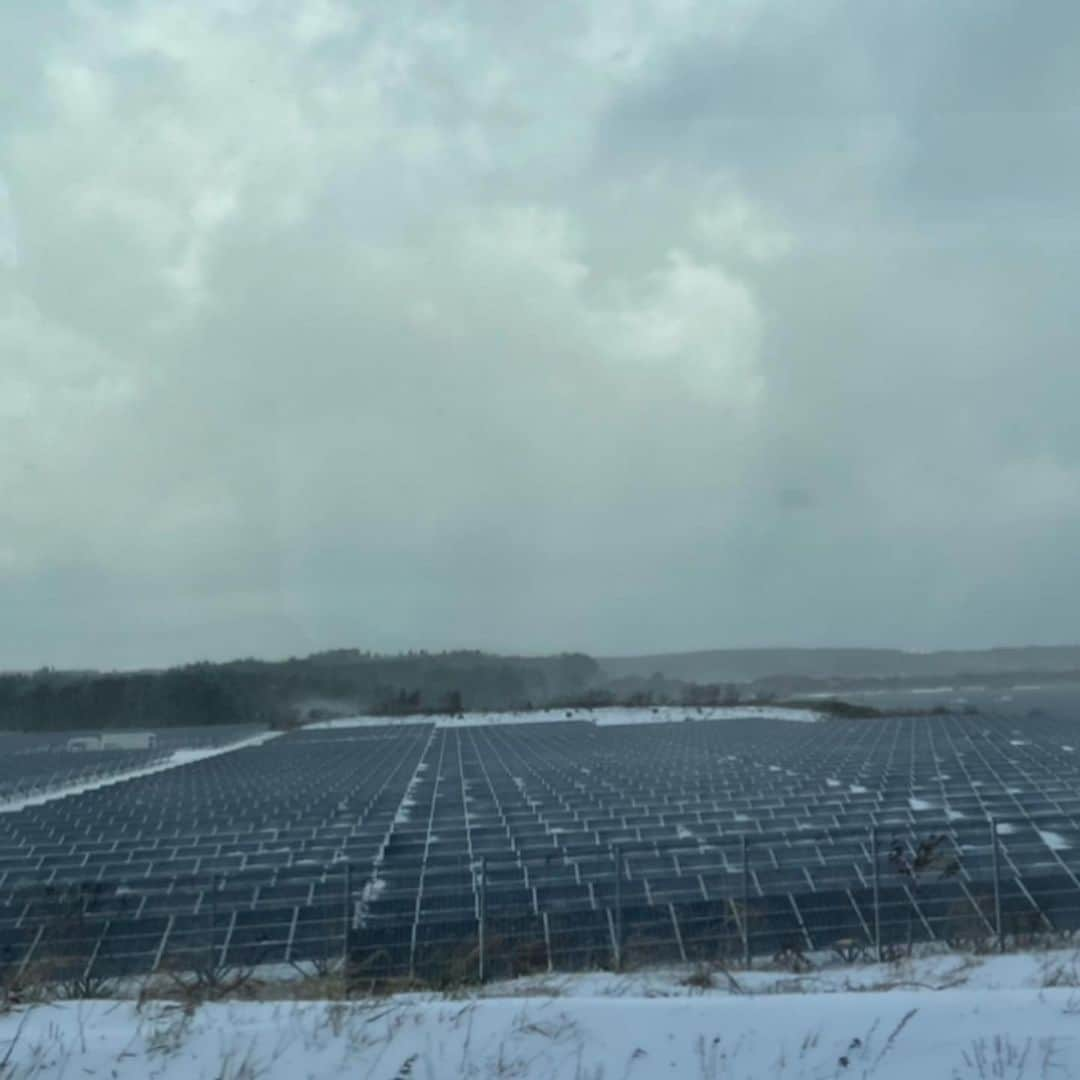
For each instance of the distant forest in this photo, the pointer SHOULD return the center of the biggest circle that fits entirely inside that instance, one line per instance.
(346, 681)
(277, 692)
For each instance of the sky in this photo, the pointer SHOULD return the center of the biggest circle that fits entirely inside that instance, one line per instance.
(616, 325)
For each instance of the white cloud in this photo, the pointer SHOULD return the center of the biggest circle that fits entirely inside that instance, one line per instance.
(734, 227)
(696, 322)
(9, 248)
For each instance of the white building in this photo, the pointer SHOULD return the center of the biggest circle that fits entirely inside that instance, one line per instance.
(114, 740)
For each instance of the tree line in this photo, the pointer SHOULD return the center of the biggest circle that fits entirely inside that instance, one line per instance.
(277, 692)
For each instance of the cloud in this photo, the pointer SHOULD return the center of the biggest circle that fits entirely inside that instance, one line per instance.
(333, 325)
(9, 247)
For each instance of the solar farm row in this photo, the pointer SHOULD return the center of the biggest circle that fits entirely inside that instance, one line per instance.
(30, 762)
(247, 851)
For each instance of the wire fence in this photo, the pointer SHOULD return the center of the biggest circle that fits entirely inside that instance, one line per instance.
(443, 919)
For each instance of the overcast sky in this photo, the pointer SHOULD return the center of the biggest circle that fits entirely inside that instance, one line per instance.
(624, 326)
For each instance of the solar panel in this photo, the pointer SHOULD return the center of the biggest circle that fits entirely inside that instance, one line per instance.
(414, 808)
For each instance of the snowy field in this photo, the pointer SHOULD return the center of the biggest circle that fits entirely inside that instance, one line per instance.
(1012, 1018)
(602, 717)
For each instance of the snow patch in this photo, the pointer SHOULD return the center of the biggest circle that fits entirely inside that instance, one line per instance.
(1054, 840)
(617, 716)
(372, 890)
(604, 717)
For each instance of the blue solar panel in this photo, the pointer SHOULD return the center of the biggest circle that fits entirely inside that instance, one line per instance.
(414, 809)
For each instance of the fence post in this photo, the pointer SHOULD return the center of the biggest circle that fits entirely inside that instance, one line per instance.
(998, 927)
(483, 914)
(746, 900)
(877, 892)
(211, 965)
(346, 937)
(618, 904)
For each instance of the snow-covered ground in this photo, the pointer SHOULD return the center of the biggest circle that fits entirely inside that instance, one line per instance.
(173, 761)
(603, 717)
(725, 712)
(1009, 1017)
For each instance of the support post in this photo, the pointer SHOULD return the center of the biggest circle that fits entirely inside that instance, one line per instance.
(877, 891)
(482, 913)
(618, 905)
(212, 965)
(346, 937)
(999, 929)
(746, 901)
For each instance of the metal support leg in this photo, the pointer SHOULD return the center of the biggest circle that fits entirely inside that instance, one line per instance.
(999, 928)
(746, 901)
(482, 917)
(618, 906)
(877, 891)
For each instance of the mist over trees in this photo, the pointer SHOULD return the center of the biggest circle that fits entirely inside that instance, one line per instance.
(269, 692)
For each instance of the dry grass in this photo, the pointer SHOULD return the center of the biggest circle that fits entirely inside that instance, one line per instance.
(705, 976)
(1056, 973)
(701, 978)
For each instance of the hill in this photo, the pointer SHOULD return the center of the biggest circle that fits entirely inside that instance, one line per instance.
(749, 665)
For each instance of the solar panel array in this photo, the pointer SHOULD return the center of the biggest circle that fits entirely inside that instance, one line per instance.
(31, 762)
(653, 840)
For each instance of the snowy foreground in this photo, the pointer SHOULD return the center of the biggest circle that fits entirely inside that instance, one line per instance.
(948, 1017)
